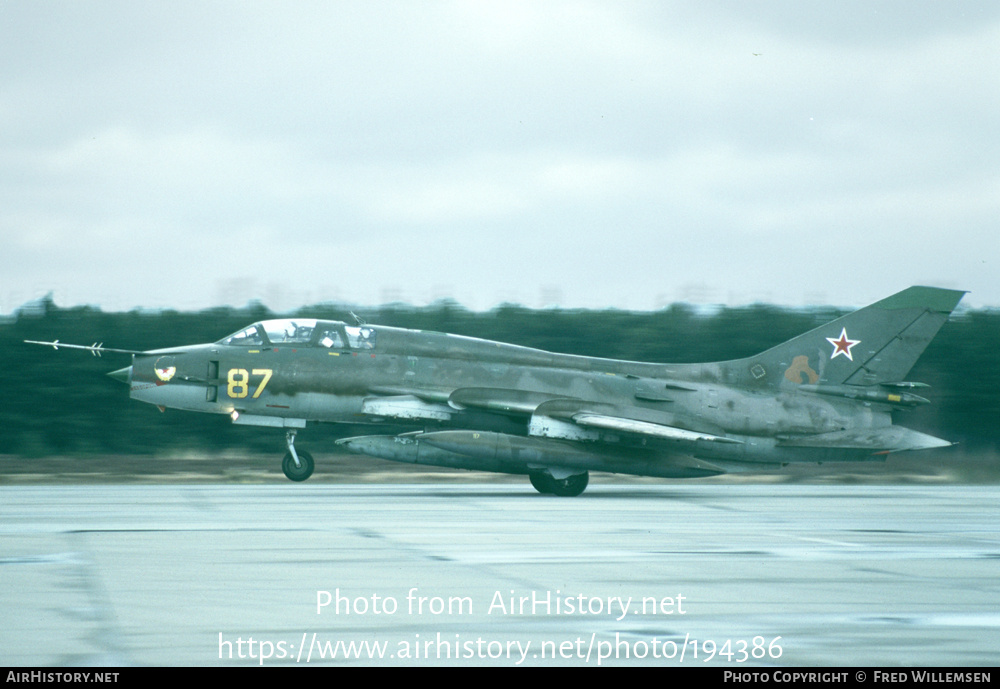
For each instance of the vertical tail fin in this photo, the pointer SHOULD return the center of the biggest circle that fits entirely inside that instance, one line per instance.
(877, 344)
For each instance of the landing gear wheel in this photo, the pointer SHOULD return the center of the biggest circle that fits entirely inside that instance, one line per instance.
(542, 482)
(568, 487)
(298, 473)
(571, 486)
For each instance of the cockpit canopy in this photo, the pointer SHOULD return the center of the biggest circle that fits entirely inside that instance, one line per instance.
(303, 332)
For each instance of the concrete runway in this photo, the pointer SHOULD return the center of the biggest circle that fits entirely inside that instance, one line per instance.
(657, 574)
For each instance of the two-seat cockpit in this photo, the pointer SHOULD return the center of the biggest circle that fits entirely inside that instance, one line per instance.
(303, 332)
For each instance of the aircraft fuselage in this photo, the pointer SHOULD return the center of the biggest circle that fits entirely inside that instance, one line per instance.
(826, 395)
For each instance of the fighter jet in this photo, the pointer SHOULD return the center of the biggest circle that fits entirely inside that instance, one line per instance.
(827, 395)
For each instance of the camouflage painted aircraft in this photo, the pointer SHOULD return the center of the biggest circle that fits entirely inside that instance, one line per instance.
(827, 395)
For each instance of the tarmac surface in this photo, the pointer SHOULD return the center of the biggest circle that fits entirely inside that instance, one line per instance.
(495, 574)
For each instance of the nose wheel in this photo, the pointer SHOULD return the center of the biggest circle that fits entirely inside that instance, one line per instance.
(297, 465)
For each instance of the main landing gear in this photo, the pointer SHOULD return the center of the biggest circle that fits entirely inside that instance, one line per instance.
(298, 466)
(568, 487)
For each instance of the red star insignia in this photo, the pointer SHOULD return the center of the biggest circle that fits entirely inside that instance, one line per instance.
(842, 345)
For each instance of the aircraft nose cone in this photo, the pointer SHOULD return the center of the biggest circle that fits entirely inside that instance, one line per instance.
(123, 375)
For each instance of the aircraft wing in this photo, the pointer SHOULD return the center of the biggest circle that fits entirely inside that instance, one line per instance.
(452, 400)
(502, 400)
(402, 403)
(406, 407)
(426, 393)
(646, 428)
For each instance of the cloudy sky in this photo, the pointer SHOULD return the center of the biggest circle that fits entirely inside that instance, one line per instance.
(571, 153)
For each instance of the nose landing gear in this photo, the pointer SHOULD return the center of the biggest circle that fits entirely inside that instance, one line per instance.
(298, 466)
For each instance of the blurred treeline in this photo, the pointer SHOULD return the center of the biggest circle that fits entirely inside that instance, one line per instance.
(61, 403)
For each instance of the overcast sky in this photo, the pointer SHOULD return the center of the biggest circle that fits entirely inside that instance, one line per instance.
(580, 154)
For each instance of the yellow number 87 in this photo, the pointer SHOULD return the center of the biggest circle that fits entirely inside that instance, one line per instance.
(239, 382)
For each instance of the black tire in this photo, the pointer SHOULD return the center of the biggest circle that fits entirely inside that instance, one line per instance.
(571, 486)
(300, 473)
(568, 487)
(542, 482)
